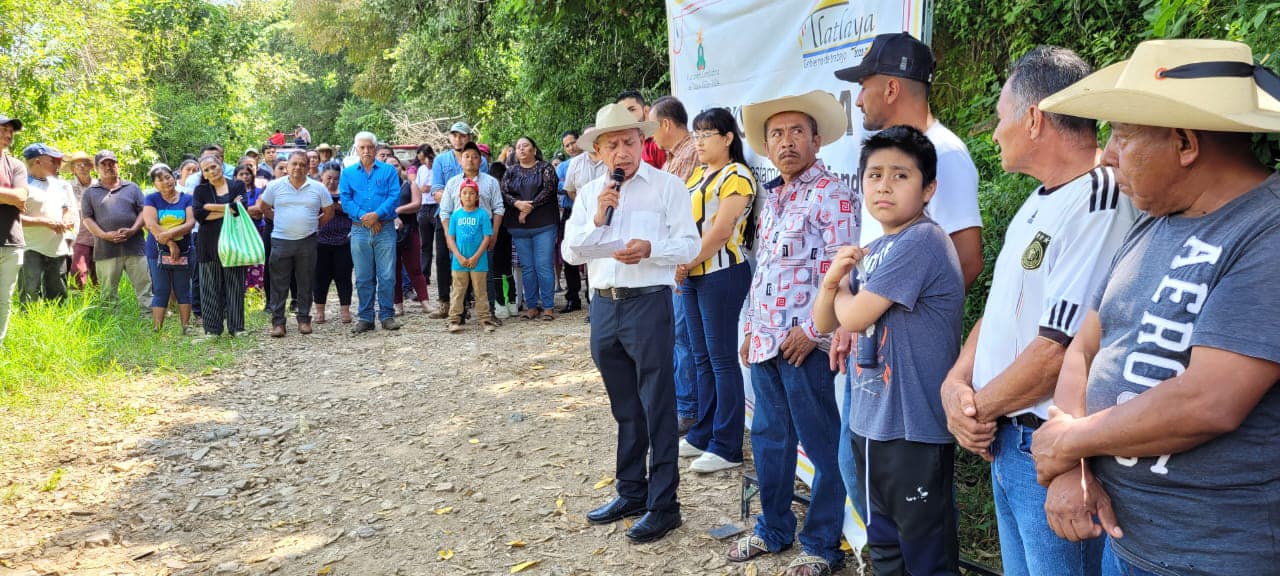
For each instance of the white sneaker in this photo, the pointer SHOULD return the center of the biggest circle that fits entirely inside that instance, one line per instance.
(688, 450)
(709, 462)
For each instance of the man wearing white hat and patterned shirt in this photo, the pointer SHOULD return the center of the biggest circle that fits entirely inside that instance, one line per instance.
(1056, 254)
(807, 215)
(631, 315)
(13, 200)
(1168, 392)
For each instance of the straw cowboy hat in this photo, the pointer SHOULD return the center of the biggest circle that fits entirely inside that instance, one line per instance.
(615, 117)
(1193, 84)
(818, 104)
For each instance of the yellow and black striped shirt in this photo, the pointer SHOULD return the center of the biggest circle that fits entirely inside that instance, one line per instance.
(707, 191)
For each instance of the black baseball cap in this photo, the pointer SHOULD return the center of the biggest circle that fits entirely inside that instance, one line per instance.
(898, 54)
(14, 122)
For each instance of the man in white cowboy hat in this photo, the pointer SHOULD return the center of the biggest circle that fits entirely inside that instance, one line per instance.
(631, 316)
(1167, 394)
(1056, 254)
(808, 214)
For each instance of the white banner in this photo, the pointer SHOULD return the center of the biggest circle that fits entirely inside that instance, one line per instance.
(727, 53)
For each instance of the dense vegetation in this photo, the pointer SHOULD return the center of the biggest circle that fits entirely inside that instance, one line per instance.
(154, 79)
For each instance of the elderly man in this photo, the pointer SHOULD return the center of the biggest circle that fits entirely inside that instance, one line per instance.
(1168, 393)
(1055, 255)
(635, 104)
(808, 215)
(299, 206)
(631, 322)
(370, 192)
(895, 76)
(446, 165)
(48, 225)
(112, 211)
(673, 137)
(13, 200)
(82, 268)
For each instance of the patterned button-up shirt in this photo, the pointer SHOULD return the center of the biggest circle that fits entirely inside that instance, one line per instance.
(802, 226)
(682, 159)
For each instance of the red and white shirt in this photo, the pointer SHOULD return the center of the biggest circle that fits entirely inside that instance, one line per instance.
(802, 226)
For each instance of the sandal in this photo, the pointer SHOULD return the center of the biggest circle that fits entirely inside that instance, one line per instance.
(529, 314)
(548, 315)
(748, 547)
(810, 565)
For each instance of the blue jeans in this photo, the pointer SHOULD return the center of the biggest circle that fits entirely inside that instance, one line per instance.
(165, 280)
(686, 371)
(712, 302)
(536, 248)
(1114, 565)
(374, 257)
(1028, 547)
(849, 470)
(797, 405)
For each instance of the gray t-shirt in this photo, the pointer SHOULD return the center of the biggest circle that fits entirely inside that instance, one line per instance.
(1178, 283)
(918, 337)
(297, 209)
(113, 210)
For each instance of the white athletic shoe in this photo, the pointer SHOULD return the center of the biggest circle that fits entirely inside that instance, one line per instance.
(708, 462)
(688, 450)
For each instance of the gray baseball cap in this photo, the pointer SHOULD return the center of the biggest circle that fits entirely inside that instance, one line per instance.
(460, 127)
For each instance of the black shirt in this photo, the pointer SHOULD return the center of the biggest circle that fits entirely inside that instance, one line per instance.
(211, 230)
(539, 185)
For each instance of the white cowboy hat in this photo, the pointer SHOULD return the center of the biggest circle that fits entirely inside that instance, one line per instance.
(615, 117)
(1193, 84)
(818, 104)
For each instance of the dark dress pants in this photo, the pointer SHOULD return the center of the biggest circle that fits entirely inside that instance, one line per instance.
(631, 343)
(292, 263)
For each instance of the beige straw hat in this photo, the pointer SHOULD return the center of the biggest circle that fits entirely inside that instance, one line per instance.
(615, 117)
(1193, 84)
(818, 104)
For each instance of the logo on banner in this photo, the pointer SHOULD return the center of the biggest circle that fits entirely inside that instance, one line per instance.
(702, 77)
(836, 32)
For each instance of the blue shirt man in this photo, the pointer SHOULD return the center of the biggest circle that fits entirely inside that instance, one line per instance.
(370, 192)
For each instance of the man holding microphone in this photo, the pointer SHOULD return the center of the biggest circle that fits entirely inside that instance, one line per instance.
(632, 327)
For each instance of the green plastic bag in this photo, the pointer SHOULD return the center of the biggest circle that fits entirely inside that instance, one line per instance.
(239, 243)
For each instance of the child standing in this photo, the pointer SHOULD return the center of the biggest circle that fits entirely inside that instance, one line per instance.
(470, 233)
(905, 307)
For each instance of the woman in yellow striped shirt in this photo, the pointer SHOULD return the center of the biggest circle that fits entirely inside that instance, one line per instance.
(714, 286)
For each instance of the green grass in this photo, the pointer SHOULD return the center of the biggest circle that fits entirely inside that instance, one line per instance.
(83, 347)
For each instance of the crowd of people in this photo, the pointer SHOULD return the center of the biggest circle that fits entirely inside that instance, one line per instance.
(1127, 412)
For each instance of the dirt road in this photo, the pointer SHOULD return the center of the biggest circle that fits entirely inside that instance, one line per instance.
(410, 452)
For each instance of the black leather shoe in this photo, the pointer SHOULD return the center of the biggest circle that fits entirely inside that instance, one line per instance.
(615, 510)
(571, 306)
(653, 526)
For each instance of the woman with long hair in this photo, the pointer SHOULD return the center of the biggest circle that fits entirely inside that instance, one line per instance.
(169, 218)
(714, 286)
(221, 288)
(529, 189)
(408, 241)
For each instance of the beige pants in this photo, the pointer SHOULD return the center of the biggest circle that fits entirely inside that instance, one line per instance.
(478, 281)
(10, 265)
(110, 271)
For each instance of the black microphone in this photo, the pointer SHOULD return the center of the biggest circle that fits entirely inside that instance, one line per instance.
(618, 177)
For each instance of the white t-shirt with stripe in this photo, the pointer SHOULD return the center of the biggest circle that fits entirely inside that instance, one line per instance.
(1056, 253)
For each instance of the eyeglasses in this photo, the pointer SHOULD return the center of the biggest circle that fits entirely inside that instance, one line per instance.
(704, 134)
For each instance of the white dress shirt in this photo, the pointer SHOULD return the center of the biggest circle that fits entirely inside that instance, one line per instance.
(672, 242)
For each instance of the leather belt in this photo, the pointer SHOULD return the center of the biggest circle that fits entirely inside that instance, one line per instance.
(1027, 420)
(625, 293)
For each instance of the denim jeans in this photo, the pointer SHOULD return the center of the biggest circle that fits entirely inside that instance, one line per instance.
(1028, 547)
(166, 281)
(1114, 565)
(536, 248)
(797, 405)
(374, 258)
(712, 302)
(686, 371)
